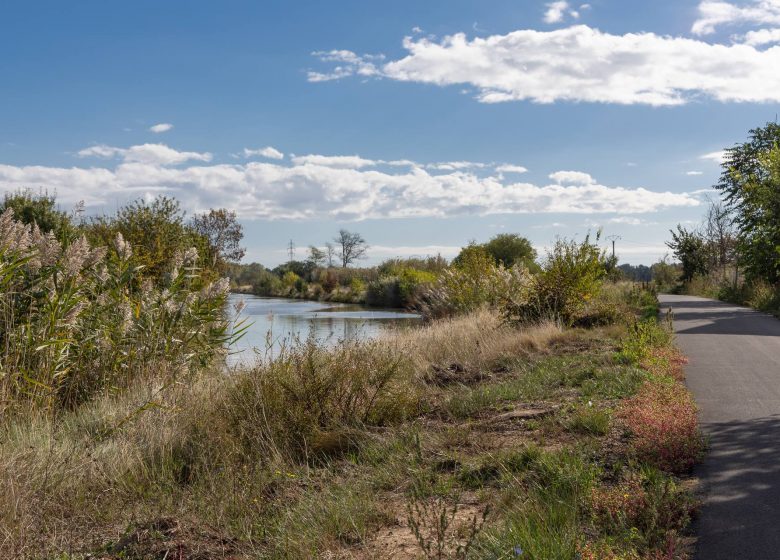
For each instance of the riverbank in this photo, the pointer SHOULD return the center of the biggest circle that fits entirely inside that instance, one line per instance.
(463, 435)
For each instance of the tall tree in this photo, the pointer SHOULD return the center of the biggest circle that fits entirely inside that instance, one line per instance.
(223, 234)
(750, 182)
(317, 256)
(351, 247)
(691, 250)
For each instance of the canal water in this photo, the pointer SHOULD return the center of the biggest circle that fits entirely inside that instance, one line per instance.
(278, 322)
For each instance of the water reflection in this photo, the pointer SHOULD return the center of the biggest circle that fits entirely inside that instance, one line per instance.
(277, 322)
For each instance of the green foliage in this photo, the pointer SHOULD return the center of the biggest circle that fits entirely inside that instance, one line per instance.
(223, 234)
(571, 276)
(691, 250)
(473, 282)
(750, 182)
(507, 249)
(391, 267)
(39, 209)
(155, 230)
(75, 320)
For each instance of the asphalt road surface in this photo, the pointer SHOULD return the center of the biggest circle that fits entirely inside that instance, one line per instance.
(734, 373)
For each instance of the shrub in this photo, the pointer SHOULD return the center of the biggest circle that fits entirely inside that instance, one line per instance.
(384, 292)
(290, 279)
(412, 283)
(571, 276)
(473, 283)
(75, 320)
(309, 400)
(662, 420)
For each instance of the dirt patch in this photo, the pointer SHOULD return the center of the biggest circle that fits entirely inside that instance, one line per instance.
(169, 539)
(398, 541)
(455, 373)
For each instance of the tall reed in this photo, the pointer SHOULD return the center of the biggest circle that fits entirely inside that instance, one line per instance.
(76, 320)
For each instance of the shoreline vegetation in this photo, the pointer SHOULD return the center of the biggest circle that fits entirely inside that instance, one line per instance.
(539, 413)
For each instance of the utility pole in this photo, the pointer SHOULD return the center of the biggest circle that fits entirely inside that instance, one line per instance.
(613, 238)
(291, 250)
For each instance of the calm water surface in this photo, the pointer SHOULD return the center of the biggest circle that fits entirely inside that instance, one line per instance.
(278, 321)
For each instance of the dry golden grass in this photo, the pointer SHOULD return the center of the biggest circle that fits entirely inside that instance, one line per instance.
(480, 341)
(218, 450)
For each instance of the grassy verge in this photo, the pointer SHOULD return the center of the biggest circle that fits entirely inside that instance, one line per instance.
(466, 438)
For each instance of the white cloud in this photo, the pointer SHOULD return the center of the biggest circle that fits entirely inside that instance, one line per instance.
(762, 37)
(508, 168)
(361, 65)
(717, 157)
(337, 162)
(556, 11)
(716, 13)
(572, 178)
(455, 165)
(578, 63)
(153, 154)
(267, 152)
(694, 173)
(162, 127)
(325, 187)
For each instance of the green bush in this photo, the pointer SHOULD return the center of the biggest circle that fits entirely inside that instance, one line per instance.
(75, 320)
(571, 276)
(474, 282)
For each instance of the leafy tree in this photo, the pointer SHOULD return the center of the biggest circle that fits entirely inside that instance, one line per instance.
(510, 249)
(156, 232)
(350, 246)
(317, 257)
(691, 250)
(223, 235)
(40, 209)
(507, 249)
(750, 182)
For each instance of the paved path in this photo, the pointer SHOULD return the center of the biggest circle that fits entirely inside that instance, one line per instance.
(734, 373)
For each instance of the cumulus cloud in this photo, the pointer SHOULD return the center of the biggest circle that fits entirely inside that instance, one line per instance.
(572, 178)
(454, 165)
(762, 37)
(578, 63)
(267, 152)
(716, 13)
(153, 154)
(337, 162)
(508, 168)
(326, 187)
(161, 127)
(556, 12)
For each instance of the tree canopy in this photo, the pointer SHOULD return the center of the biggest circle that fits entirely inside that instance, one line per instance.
(750, 183)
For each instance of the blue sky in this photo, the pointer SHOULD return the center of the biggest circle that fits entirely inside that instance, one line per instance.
(444, 103)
